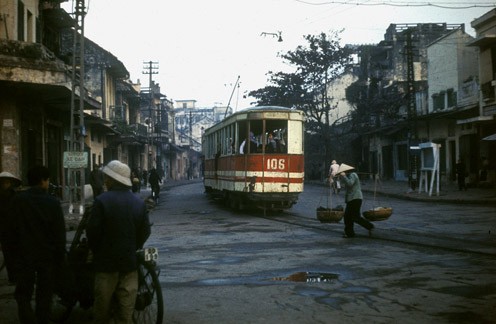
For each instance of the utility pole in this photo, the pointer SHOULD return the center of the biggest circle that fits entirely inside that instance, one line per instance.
(150, 68)
(75, 158)
(412, 141)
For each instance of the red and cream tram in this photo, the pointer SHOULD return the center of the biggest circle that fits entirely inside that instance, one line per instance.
(255, 157)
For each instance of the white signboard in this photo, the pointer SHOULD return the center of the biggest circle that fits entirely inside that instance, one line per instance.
(75, 160)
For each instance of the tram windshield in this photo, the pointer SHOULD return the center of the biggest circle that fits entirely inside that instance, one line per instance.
(263, 136)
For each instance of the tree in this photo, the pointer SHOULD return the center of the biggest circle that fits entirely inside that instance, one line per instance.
(318, 63)
(286, 89)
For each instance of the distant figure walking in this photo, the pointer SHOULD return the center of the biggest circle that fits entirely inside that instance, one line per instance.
(333, 180)
(155, 181)
(461, 173)
(145, 178)
(96, 181)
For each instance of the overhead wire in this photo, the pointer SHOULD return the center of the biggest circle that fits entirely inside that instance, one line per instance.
(440, 4)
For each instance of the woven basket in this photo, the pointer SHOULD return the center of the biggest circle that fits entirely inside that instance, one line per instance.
(329, 216)
(378, 214)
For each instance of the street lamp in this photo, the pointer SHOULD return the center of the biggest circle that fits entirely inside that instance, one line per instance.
(278, 35)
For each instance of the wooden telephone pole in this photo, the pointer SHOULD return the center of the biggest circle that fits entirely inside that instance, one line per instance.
(75, 158)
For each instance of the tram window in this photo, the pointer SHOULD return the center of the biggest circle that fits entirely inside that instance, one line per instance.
(250, 136)
(276, 136)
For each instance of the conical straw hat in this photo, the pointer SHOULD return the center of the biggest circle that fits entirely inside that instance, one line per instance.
(344, 167)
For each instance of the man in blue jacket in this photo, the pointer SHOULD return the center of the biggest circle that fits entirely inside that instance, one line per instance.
(117, 227)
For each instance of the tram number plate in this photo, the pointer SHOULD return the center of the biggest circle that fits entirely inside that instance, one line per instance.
(150, 254)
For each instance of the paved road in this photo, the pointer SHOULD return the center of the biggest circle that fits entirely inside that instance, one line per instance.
(220, 266)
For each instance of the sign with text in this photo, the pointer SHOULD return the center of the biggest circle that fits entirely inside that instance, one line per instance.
(75, 160)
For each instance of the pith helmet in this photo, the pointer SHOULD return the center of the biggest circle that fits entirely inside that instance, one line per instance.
(12, 177)
(118, 171)
(345, 167)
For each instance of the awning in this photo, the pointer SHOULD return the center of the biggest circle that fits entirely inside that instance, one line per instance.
(490, 138)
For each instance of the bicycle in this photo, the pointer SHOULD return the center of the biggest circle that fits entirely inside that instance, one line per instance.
(76, 285)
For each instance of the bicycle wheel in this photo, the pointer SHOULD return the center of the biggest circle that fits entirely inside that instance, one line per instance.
(149, 307)
(2, 259)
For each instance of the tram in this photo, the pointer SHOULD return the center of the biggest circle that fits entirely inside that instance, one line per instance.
(254, 157)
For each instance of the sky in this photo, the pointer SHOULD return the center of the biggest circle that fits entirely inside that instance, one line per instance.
(201, 47)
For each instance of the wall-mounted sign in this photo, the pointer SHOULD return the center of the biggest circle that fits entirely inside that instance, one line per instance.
(75, 160)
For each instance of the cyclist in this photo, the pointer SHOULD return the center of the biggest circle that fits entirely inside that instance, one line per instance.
(118, 226)
(155, 181)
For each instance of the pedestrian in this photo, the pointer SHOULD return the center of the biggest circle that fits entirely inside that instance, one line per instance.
(96, 180)
(461, 173)
(353, 199)
(40, 237)
(135, 181)
(8, 185)
(145, 178)
(333, 180)
(155, 181)
(117, 227)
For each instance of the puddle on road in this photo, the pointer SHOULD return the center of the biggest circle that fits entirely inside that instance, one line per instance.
(227, 260)
(309, 277)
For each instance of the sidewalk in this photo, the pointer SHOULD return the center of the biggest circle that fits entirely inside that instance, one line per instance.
(447, 193)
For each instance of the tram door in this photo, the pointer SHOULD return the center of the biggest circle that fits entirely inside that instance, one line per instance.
(276, 162)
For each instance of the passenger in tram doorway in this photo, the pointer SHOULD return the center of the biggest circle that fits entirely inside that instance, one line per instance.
(353, 199)
(118, 226)
(333, 179)
(271, 146)
(253, 144)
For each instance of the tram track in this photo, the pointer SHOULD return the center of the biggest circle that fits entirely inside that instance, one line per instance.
(397, 235)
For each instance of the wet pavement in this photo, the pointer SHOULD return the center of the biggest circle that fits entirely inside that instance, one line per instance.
(418, 269)
(448, 193)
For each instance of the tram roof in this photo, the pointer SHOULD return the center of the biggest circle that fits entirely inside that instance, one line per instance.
(255, 109)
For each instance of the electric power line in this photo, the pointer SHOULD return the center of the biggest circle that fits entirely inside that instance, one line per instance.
(441, 4)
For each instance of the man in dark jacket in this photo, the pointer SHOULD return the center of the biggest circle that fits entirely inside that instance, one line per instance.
(118, 226)
(8, 184)
(155, 181)
(40, 238)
